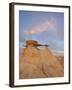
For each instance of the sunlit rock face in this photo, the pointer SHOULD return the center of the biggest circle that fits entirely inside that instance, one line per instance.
(38, 62)
(31, 43)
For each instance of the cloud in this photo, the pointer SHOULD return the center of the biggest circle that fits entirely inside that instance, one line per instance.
(47, 25)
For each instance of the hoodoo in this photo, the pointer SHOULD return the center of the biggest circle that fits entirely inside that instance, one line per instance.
(38, 62)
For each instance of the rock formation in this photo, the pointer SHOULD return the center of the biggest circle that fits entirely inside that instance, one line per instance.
(38, 63)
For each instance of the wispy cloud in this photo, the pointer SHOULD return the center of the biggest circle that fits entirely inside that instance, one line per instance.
(47, 25)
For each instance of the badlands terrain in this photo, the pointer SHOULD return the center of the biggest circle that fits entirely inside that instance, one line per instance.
(37, 62)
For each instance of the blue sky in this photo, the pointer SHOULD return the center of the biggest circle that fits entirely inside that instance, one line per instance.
(45, 27)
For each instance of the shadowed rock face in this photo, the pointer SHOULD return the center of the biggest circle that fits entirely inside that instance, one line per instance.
(38, 63)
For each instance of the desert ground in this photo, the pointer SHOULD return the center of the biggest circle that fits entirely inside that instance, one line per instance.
(39, 63)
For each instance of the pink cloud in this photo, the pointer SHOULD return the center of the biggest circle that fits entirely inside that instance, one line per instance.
(47, 25)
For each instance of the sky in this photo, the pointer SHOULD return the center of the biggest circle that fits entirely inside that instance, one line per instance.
(44, 27)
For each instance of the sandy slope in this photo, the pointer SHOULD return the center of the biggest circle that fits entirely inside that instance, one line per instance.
(39, 63)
